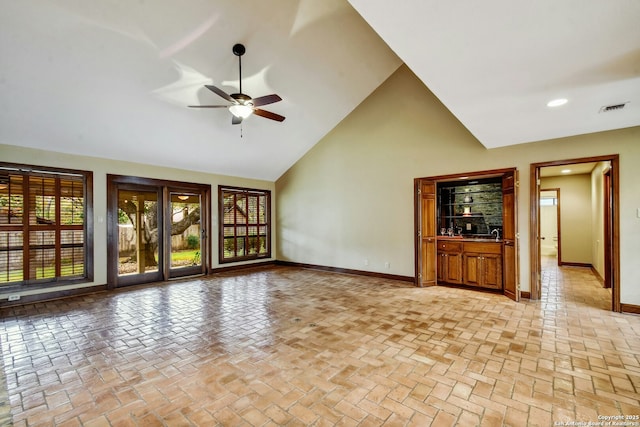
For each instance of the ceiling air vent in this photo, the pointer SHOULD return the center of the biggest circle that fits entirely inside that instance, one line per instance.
(614, 107)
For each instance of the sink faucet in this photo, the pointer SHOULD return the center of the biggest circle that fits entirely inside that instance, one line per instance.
(497, 233)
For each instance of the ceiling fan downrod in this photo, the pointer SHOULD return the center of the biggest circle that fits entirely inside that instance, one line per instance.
(239, 50)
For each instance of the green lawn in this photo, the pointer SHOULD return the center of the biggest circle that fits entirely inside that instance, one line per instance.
(185, 258)
(187, 255)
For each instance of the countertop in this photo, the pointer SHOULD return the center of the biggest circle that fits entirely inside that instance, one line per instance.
(469, 239)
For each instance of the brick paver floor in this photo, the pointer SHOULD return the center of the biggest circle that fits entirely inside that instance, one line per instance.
(288, 346)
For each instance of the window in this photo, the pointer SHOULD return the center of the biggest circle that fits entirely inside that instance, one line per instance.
(43, 231)
(548, 201)
(245, 225)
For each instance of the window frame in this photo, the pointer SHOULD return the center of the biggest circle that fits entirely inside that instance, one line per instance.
(86, 177)
(222, 190)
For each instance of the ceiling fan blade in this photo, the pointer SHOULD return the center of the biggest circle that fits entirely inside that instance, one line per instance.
(208, 106)
(268, 114)
(264, 100)
(235, 120)
(221, 93)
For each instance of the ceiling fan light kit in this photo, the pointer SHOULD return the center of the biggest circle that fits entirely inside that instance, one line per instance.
(241, 110)
(242, 105)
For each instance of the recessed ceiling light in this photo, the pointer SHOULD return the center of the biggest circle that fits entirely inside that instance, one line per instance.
(557, 102)
(566, 171)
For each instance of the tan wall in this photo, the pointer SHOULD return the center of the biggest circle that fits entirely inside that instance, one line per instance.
(100, 169)
(575, 216)
(350, 198)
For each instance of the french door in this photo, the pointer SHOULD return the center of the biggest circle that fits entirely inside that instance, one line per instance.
(186, 233)
(139, 238)
(157, 230)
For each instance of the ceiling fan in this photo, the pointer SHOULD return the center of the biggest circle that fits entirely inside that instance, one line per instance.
(242, 105)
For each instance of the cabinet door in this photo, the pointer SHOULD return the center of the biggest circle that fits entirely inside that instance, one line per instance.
(442, 267)
(427, 234)
(508, 215)
(483, 270)
(509, 223)
(471, 269)
(510, 284)
(454, 268)
(491, 267)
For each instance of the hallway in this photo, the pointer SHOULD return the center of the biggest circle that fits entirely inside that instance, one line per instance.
(572, 286)
(288, 346)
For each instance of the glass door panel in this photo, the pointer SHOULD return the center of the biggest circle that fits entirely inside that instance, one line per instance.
(139, 245)
(185, 248)
(156, 231)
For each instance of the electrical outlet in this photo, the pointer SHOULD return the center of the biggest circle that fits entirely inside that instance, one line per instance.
(366, 262)
(387, 265)
(13, 297)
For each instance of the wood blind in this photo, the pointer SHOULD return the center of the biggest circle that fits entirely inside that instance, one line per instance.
(244, 224)
(42, 226)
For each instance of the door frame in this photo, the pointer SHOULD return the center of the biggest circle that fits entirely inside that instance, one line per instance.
(614, 244)
(164, 188)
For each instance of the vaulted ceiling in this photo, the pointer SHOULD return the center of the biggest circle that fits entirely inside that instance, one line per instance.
(113, 78)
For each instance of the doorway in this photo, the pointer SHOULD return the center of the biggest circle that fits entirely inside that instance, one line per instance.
(605, 246)
(550, 224)
(157, 230)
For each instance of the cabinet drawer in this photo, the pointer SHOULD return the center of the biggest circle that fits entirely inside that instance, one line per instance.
(483, 247)
(449, 246)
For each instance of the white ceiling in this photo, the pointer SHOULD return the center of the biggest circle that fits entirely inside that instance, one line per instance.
(113, 78)
(496, 63)
(573, 169)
